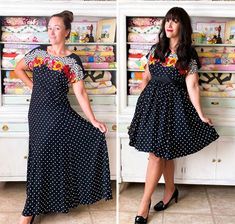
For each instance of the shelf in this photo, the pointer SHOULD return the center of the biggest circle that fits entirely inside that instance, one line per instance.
(98, 69)
(135, 70)
(134, 43)
(211, 71)
(214, 45)
(46, 43)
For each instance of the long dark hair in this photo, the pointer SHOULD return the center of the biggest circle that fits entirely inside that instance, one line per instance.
(184, 49)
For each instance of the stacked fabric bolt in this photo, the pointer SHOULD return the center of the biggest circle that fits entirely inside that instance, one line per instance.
(144, 30)
(13, 53)
(134, 83)
(24, 29)
(98, 83)
(13, 85)
(217, 58)
(217, 84)
(95, 56)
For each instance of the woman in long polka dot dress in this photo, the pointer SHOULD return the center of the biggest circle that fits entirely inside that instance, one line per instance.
(168, 120)
(68, 160)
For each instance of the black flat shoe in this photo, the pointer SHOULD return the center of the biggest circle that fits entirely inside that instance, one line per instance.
(32, 220)
(161, 206)
(140, 219)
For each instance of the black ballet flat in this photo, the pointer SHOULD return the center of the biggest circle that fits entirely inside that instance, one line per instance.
(160, 206)
(32, 220)
(140, 219)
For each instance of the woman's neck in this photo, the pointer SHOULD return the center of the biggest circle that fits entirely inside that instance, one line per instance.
(174, 43)
(58, 49)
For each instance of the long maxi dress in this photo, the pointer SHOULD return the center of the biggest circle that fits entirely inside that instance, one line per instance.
(68, 160)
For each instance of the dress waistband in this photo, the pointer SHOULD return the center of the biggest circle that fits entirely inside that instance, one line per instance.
(166, 79)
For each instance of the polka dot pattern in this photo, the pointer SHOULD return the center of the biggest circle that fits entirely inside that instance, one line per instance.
(165, 121)
(68, 160)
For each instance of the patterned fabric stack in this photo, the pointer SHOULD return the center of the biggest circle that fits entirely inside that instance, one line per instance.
(217, 84)
(98, 83)
(24, 29)
(96, 56)
(134, 83)
(217, 58)
(13, 85)
(13, 53)
(141, 30)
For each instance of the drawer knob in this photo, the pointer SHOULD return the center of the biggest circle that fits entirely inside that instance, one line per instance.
(215, 103)
(28, 100)
(114, 127)
(128, 127)
(5, 127)
(219, 160)
(25, 157)
(213, 160)
(91, 100)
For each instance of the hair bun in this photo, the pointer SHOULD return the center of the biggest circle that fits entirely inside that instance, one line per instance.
(68, 14)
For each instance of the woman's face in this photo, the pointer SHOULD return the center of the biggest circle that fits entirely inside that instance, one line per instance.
(172, 28)
(56, 30)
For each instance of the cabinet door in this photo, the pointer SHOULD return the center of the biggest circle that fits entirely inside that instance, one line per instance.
(225, 170)
(201, 165)
(133, 163)
(13, 157)
(111, 143)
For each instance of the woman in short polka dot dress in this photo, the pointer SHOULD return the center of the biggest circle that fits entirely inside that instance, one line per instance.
(68, 160)
(168, 120)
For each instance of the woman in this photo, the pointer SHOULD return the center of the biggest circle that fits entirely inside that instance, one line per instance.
(168, 120)
(68, 160)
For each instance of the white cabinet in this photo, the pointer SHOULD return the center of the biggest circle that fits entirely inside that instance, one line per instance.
(111, 143)
(13, 156)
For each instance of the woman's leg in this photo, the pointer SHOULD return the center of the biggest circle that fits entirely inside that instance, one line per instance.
(25, 219)
(154, 172)
(168, 173)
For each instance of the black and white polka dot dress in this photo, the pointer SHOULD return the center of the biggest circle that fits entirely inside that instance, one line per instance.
(68, 160)
(165, 121)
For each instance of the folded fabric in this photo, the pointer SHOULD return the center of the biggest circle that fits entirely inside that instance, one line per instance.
(142, 38)
(10, 62)
(214, 67)
(25, 37)
(91, 48)
(97, 58)
(145, 21)
(213, 49)
(225, 61)
(102, 91)
(216, 55)
(138, 51)
(136, 64)
(94, 53)
(137, 75)
(134, 56)
(99, 65)
(134, 90)
(218, 94)
(134, 81)
(217, 88)
(20, 46)
(97, 76)
(12, 75)
(98, 85)
(144, 29)
(141, 47)
(14, 50)
(17, 90)
(24, 29)
(217, 78)
(14, 80)
(23, 20)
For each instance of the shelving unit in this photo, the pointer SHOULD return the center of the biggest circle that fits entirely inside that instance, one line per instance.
(14, 108)
(212, 164)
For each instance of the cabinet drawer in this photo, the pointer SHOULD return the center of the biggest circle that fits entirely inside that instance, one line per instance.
(13, 127)
(111, 127)
(16, 99)
(218, 102)
(95, 100)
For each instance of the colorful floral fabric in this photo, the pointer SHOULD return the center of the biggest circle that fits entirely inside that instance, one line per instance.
(70, 65)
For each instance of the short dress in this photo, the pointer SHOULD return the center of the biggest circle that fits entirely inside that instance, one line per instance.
(68, 160)
(165, 121)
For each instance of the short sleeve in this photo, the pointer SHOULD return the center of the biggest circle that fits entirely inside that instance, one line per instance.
(145, 59)
(29, 57)
(194, 64)
(77, 70)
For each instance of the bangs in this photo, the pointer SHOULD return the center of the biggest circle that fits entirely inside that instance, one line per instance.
(173, 15)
